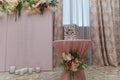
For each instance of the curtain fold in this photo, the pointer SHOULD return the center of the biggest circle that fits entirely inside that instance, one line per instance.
(116, 24)
(58, 25)
(57, 29)
(105, 23)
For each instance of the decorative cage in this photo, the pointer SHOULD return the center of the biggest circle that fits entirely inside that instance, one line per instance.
(71, 31)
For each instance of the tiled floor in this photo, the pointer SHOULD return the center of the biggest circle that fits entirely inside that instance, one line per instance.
(92, 73)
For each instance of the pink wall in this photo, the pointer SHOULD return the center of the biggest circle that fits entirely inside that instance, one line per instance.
(26, 42)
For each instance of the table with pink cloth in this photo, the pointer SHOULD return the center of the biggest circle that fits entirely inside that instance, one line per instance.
(80, 45)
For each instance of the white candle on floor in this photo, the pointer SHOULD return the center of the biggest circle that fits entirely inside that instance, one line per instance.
(12, 69)
(22, 71)
(30, 70)
(17, 72)
(37, 69)
(26, 70)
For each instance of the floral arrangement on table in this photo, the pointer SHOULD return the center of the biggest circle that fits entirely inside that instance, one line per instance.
(32, 6)
(71, 62)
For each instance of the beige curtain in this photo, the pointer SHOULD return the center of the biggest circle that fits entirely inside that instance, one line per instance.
(58, 29)
(58, 26)
(105, 31)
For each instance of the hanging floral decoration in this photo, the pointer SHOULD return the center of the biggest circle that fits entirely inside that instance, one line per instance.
(71, 63)
(32, 6)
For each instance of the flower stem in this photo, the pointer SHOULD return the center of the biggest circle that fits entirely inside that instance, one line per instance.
(72, 75)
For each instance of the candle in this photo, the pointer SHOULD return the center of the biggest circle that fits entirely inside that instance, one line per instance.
(26, 70)
(30, 70)
(22, 71)
(12, 69)
(37, 69)
(17, 72)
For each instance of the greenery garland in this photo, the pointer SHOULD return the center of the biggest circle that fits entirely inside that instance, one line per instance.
(33, 6)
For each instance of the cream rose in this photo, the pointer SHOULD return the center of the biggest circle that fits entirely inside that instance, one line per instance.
(66, 57)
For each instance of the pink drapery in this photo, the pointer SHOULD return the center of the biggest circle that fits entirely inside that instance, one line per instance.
(81, 46)
(58, 25)
(79, 75)
(26, 42)
(72, 45)
(57, 28)
(105, 31)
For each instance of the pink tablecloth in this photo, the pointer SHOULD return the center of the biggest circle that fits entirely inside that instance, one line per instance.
(81, 45)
